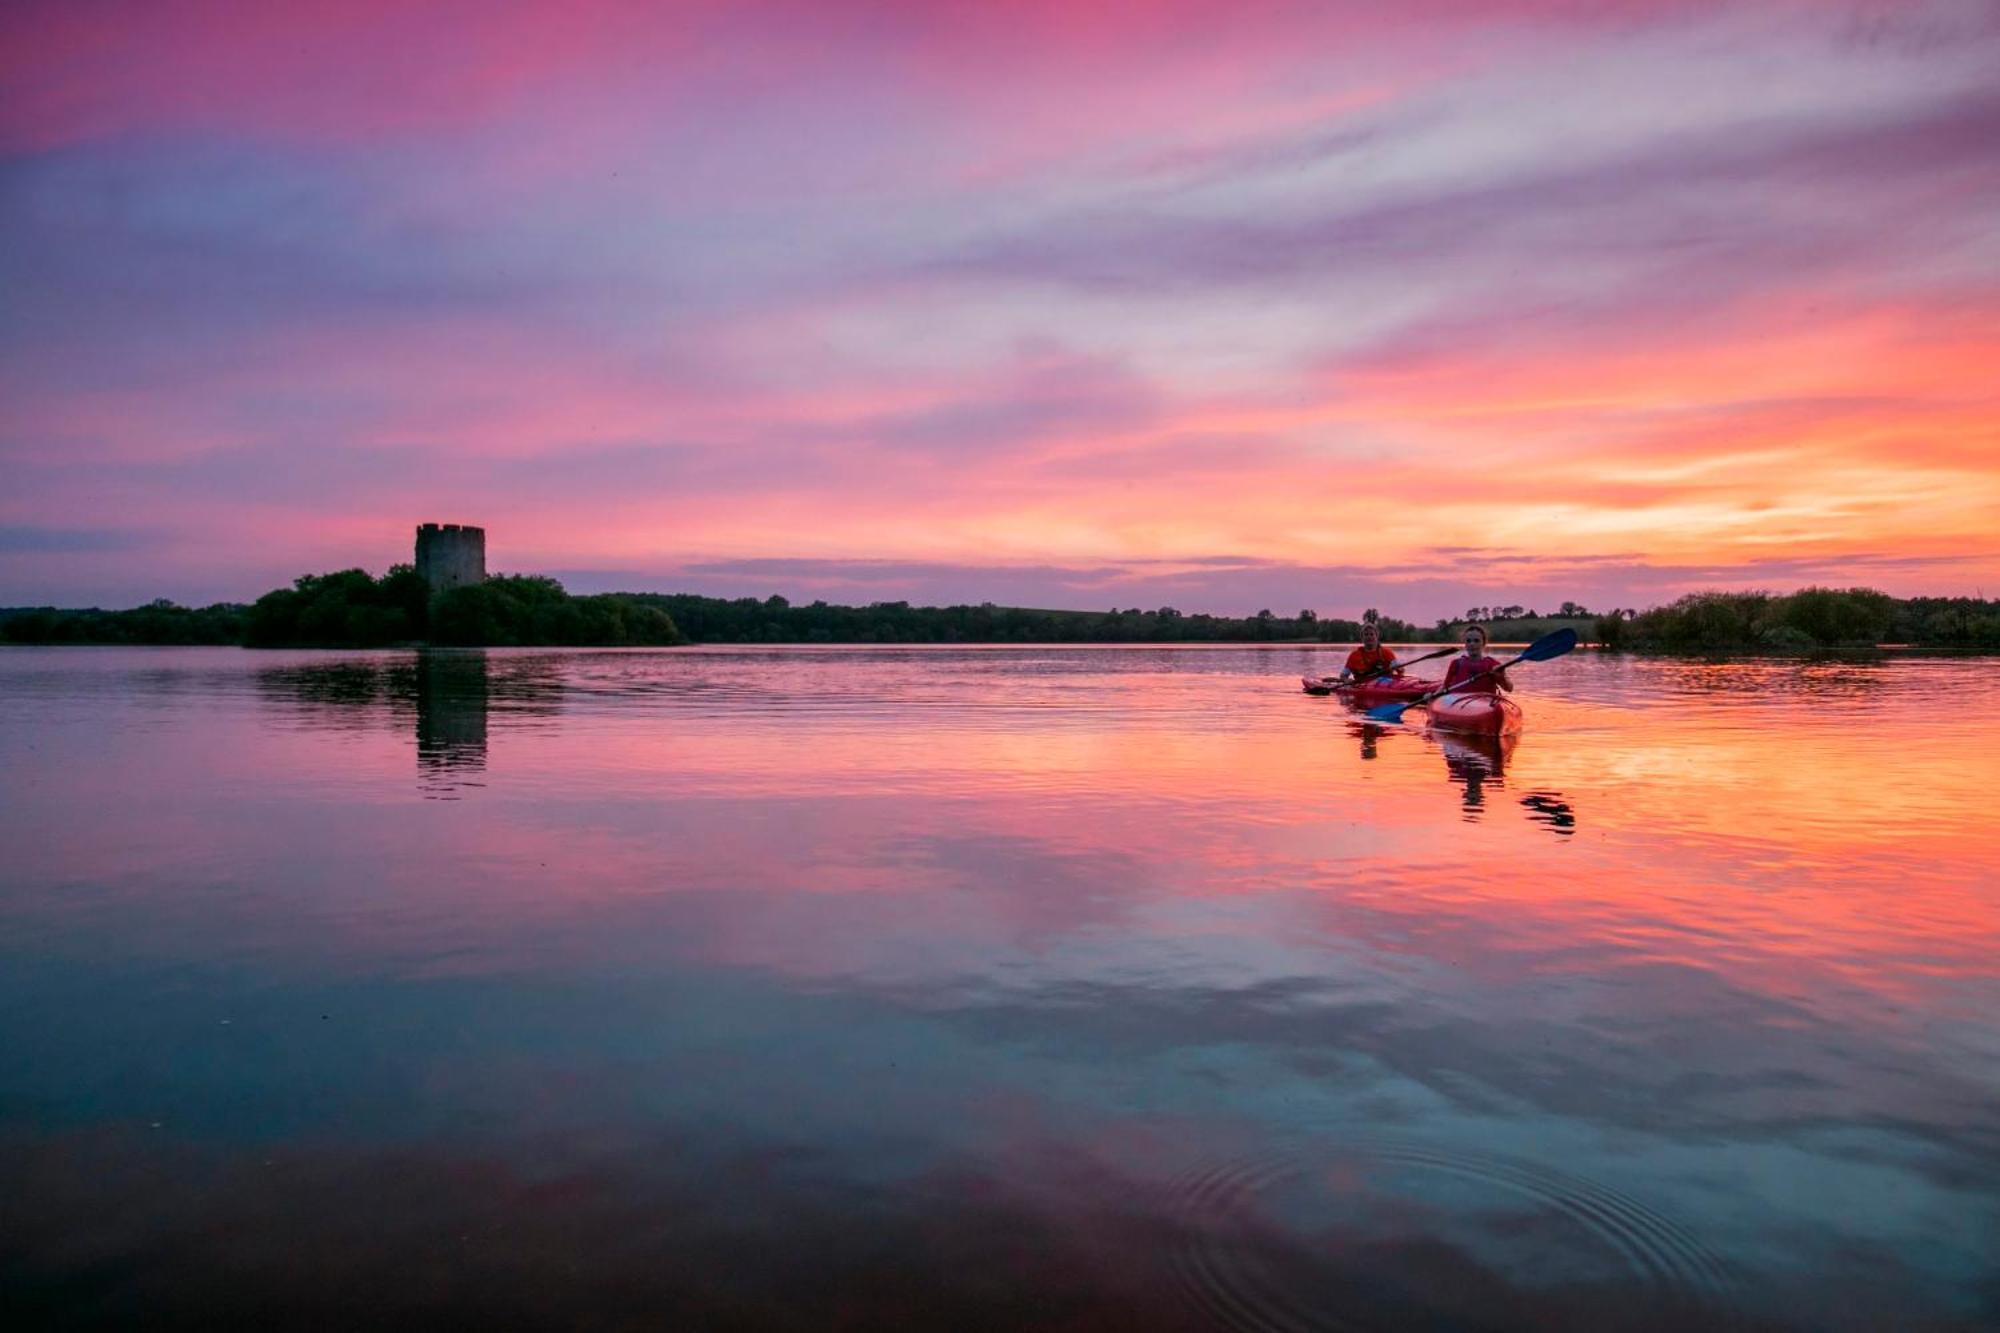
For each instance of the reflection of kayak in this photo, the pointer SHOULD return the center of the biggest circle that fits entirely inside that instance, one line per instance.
(1489, 714)
(1464, 750)
(1388, 690)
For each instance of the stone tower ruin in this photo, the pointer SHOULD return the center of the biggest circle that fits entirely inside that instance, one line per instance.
(451, 555)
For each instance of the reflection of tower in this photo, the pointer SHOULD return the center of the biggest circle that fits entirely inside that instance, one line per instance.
(451, 555)
(451, 715)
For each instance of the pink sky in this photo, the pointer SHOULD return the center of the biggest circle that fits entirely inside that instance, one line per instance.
(1276, 304)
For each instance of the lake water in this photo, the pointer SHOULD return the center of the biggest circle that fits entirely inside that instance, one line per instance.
(993, 987)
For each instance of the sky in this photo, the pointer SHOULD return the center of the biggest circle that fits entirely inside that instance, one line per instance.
(1317, 305)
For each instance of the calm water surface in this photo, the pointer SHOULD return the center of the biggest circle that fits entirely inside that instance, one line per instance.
(992, 988)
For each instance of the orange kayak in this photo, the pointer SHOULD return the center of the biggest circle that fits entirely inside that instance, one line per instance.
(1488, 714)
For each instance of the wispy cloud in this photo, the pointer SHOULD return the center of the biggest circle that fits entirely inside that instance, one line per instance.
(21, 540)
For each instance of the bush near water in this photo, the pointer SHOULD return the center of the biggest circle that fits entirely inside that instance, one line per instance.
(350, 609)
(531, 610)
(1811, 618)
(158, 622)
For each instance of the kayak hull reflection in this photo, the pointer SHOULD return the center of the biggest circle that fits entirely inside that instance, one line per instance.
(1464, 750)
(1483, 714)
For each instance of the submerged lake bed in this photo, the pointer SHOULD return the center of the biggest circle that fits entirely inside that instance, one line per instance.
(994, 987)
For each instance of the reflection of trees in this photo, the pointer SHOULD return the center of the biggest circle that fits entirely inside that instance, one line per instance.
(442, 695)
(345, 694)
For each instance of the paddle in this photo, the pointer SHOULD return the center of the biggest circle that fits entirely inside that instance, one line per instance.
(1541, 650)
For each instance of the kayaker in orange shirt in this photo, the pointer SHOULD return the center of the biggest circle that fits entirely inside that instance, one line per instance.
(1371, 660)
(1472, 662)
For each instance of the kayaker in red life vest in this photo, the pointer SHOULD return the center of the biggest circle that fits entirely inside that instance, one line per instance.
(1473, 661)
(1371, 658)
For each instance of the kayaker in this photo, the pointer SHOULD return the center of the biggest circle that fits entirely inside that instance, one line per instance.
(1371, 660)
(1472, 662)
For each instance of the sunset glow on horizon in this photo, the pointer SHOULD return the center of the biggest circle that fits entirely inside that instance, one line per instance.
(1316, 304)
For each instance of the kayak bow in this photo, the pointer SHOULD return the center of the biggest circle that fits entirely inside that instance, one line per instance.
(1486, 714)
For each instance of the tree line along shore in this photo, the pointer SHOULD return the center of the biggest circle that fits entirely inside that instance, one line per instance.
(352, 609)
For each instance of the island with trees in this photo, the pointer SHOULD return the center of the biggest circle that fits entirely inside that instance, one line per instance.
(352, 609)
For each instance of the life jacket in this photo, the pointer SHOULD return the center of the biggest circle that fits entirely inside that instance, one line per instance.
(1463, 667)
(1362, 661)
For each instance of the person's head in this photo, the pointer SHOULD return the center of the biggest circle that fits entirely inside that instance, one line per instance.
(1475, 640)
(1371, 635)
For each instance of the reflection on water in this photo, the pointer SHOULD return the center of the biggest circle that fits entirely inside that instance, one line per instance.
(443, 695)
(1473, 763)
(451, 718)
(1066, 987)
(1548, 807)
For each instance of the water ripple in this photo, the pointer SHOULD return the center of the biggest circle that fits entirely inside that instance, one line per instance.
(1269, 1242)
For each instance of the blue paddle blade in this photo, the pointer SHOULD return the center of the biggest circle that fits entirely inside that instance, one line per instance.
(1386, 712)
(1550, 645)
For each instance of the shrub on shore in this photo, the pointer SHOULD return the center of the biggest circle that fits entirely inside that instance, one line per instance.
(347, 609)
(530, 610)
(351, 610)
(158, 622)
(1948, 622)
(1720, 621)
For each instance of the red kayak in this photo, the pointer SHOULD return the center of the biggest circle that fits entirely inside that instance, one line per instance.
(1488, 714)
(1387, 690)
